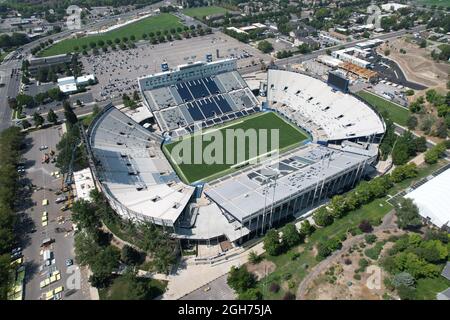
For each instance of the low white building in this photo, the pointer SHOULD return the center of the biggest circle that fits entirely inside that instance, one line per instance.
(70, 84)
(84, 80)
(67, 84)
(392, 6)
(329, 61)
(432, 199)
(351, 55)
(84, 183)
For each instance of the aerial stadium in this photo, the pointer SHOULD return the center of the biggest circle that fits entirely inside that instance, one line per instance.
(327, 141)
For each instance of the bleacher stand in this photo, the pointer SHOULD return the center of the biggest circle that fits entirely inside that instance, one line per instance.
(215, 94)
(331, 115)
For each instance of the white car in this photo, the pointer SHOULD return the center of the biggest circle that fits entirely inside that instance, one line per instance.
(43, 148)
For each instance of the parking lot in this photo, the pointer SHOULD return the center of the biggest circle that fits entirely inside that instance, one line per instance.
(388, 70)
(217, 289)
(117, 71)
(391, 92)
(43, 219)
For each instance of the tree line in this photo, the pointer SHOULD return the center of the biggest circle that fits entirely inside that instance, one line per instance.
(93, 245)
(337, 208)
(11, 140)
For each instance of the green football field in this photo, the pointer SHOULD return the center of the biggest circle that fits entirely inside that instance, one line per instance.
(164, 21)
(288, 137)
(201, 12)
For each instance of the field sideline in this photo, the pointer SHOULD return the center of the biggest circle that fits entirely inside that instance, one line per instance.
(396, 113)
(289, 136)
(161, 22)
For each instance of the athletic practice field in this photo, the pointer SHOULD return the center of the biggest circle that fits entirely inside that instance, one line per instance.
(164, 21)
(396, 113)
(201, 12)
(289, 136)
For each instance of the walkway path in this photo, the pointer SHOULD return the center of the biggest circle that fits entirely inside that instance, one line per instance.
(388, 223)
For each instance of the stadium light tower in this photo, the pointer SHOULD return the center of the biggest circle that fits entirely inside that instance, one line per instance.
(271, 174)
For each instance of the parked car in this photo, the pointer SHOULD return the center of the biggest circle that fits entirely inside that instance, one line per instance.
(61, 199)
(69, 262)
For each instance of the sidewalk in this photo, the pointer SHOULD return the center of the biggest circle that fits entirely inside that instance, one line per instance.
(190, 277)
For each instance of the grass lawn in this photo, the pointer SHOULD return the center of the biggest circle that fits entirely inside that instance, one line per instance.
(426, 289)
(289, 136)
(87, 120)
(3, 55)
(297, 269)
(444, 3)
(120, 287)
(424, 171)
(397, 114)
(164, 21)
(200, 12)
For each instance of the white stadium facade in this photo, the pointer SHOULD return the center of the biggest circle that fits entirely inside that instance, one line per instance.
(132, 171)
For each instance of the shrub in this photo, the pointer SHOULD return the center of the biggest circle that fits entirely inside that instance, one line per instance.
(357, 276)
(254, 258)
(289, 296)
(322, 217)
(363, 263)
(374, 253)
(365, 226)
(274, 287)
(403, 279)
(370, 238)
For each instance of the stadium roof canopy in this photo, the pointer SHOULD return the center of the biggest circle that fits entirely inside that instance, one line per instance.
(245, 194)
(310, 102)
(133, 170)
(432, 199)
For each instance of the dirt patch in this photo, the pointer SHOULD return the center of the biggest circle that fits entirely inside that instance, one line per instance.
(261, 269)
(338, 281)
(416, 63)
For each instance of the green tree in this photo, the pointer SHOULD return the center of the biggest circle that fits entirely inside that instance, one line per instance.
(412, 122)
(254, 258)
(84, 215)
(265, 46)
(55, 94)
(38, 119)
(52, 117)
(403, 278)
(272, 243)
(400, 154)
(250, 294)
(71, 117)
(26, 101)
(408, 214)
(240, 280)
(25, 124)
(130, 256)
(322, 217)
(306, 228)
(290, 235)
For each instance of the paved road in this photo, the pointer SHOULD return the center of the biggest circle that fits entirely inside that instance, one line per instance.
(39, 175)
(11, 89)
(303, 57)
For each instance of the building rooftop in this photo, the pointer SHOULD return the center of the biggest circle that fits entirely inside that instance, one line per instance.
(432, 199)
(134, 171)
(84, 183)
(246, 193)
(311, 102)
